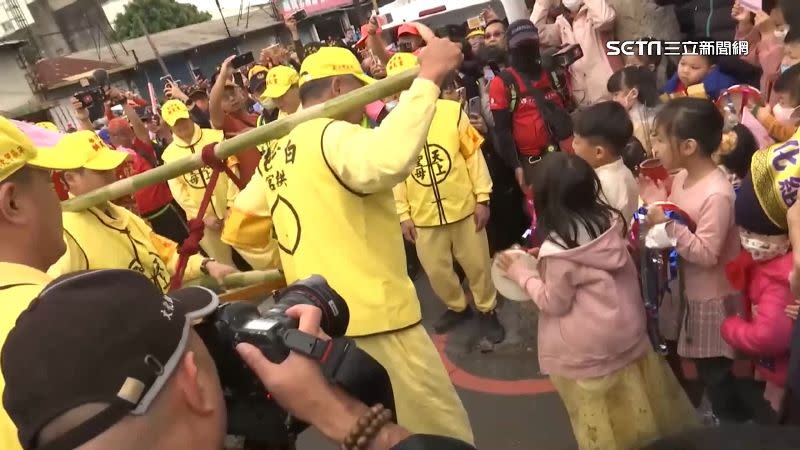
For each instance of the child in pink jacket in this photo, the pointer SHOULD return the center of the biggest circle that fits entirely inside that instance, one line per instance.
(589, 23)
(592, 337)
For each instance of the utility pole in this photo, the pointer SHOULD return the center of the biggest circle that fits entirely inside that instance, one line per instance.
(153, 47)
(224, 22)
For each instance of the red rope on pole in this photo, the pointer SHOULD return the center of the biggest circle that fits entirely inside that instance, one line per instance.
(191, 245)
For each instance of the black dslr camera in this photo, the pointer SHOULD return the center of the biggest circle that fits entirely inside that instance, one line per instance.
(93, 96)
(556, 63)
(252, 413)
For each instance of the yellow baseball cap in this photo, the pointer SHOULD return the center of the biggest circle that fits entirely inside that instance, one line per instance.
(331, 62)
(255, 70)
(400, 62)
(174, 110)
(47, 126)
(89, 151)
(475, 33)
(279, 80)
(17, 150)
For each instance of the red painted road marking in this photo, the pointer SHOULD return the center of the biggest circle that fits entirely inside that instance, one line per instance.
(466, 380)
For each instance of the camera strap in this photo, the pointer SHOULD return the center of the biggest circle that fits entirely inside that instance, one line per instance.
(346, 365)
(330, 353)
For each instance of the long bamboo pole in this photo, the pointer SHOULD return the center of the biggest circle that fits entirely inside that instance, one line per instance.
(241, 279)
(331, 108)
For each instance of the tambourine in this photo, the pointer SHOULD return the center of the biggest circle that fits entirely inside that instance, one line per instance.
(508, 288)
(739, 97)
(670, 209)
(674, 212)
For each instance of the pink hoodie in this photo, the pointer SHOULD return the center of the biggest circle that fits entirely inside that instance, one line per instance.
(592, 318)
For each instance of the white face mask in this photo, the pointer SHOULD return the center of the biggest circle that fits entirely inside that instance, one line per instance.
(391, 105)
(572, 5)
(784, 115)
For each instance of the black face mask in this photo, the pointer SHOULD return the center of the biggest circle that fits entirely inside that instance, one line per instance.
(526, 59)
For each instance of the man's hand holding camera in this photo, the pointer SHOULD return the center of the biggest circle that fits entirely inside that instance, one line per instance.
(298, 385)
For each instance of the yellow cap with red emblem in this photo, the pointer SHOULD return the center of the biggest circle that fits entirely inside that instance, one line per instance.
(173, 111)
(17, 151)
(88, 151)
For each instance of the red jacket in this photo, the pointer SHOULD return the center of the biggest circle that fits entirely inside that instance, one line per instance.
(767, 335)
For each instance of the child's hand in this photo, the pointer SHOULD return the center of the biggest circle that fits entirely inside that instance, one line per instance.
(655, 215)
(793, 310)
(505, 260)
(763, 115)
(794, 281)
(652, 191)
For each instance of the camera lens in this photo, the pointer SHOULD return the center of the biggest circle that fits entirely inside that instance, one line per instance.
(316, 291)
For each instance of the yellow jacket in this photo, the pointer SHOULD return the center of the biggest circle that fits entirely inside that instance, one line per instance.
(188, 189)
(328, 187)
(19, 285)
(450, 175)
(115, 238)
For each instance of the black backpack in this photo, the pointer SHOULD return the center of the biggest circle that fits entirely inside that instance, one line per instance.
(556, 119)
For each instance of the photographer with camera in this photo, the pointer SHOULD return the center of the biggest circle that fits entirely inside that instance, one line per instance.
(136, 375)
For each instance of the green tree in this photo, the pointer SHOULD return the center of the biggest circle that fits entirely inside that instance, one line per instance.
(157, 15)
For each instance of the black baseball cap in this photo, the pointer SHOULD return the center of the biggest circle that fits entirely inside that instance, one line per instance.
(521, 31)
(102, 336)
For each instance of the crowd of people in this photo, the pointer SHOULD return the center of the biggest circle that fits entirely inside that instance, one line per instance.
(512, 134)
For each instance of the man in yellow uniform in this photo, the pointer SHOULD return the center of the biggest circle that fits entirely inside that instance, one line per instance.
(249, 216)
(329, 194)
(109, 236)
(449, 186)
(188, 189)
(30, 224)
(283, 90)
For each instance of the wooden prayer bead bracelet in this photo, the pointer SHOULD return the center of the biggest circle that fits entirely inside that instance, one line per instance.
(367, 427)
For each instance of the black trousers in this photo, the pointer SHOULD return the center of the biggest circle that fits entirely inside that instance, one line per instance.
(733, 399)
(170, 223)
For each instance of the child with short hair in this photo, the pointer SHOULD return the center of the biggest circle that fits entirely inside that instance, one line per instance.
(601, 133)
(698, 76)
(782, 121)
(593, 342)
(636, 90)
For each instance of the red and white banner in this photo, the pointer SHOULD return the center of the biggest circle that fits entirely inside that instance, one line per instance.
(151, 92)
(312, 6)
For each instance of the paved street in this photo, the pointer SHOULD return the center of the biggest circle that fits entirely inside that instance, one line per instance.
(510, 404)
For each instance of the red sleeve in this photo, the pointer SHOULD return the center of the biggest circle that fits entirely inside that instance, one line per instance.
(769, 333)
(144, 146)
(498, 95)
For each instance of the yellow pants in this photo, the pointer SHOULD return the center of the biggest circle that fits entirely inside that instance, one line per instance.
(425, 399)
(214, 247)
(436, 247)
